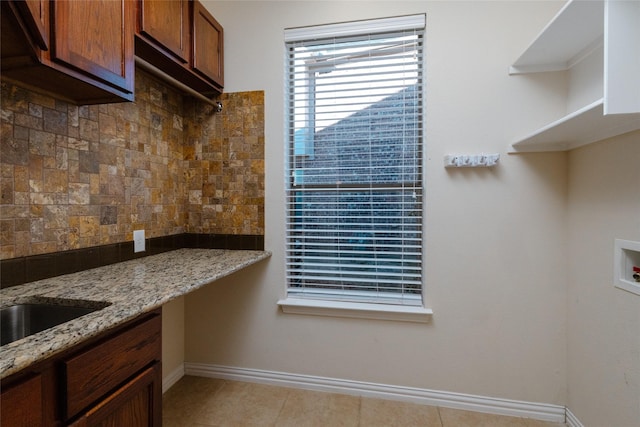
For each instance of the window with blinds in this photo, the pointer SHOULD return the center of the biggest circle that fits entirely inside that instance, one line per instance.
(354, 161)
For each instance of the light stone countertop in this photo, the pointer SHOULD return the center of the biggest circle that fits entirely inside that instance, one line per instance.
(131, 288)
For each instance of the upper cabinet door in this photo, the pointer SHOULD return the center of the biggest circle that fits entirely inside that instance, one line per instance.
(96, 37)
(167, 22)
(181, 39)
(208, 45)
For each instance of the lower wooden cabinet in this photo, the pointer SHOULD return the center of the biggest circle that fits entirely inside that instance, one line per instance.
(112, 380)
(92, 373)
(136, 404)
(14, 411)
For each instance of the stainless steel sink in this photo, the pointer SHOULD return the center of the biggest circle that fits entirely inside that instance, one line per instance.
(21, 320)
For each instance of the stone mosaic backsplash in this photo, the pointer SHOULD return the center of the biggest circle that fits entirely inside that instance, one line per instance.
(81, 176)
(225, 177)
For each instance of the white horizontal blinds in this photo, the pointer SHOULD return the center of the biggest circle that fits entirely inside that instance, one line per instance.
(354, 188)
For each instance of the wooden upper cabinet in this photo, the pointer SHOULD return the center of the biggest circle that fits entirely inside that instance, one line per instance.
(84, 51)
(184, 41)
(81, 51)
(208, 44)
(96, 38)
(167, 23)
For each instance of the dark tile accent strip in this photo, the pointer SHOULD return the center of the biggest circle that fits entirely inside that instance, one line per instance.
(13, 272)
(40, 267)
(224, 241)
(16, 271)
(67, 262)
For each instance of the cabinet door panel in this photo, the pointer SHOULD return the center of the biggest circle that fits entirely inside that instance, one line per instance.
(14, 412)
(167, 22)
(208, 45)
(96, 37)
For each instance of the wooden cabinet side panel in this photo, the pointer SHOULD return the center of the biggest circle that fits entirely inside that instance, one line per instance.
(95, 372)
(35, 14)
(97, 38)
(208, 45)
(14, 412)
(18, 44)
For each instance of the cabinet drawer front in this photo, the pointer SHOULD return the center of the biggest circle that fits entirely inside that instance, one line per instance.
(135, 404)
(98, 370)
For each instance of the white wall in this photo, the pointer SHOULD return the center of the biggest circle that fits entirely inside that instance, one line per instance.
(603, 321)
(495, 241)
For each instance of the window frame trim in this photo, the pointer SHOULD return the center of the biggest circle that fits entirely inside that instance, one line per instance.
(343, 29)
(356, 310)
(296, 303)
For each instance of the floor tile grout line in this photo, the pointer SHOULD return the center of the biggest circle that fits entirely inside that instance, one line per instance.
(440, 416)
(284, 402)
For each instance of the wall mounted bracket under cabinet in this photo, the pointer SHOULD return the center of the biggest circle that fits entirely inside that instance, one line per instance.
(600, 39)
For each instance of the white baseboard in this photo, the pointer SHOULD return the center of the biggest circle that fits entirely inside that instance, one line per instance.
(538, 411)
(572, 420)
(173, 377)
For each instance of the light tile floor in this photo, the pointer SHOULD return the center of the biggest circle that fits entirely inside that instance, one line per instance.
(205, 402)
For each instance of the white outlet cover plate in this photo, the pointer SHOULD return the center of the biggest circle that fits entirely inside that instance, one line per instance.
(138, 241)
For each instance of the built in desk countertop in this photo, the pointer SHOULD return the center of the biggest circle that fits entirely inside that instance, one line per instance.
(131, 288)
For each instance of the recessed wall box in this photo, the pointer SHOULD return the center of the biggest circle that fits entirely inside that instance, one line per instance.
(626, 257)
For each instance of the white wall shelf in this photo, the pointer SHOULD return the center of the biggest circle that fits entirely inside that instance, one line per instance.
(579, 128)
(572, 34)
(578, 32)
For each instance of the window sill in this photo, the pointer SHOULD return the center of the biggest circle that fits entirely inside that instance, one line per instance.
(356, 310)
